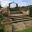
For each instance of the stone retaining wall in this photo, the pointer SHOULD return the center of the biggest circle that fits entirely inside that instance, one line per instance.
(7, 26)
(23, 25)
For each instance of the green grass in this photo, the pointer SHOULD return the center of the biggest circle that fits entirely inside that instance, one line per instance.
(26, 30)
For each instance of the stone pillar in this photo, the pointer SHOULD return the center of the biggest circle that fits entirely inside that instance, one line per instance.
(13, 27)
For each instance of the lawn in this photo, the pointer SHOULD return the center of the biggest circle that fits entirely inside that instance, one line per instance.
(26, 30)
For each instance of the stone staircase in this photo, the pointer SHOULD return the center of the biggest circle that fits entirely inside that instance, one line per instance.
(20, 18)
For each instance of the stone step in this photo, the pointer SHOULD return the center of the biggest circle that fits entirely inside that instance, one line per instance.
(18, 20)
(21, 18)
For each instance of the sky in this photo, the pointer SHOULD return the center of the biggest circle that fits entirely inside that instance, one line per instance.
(20, 3)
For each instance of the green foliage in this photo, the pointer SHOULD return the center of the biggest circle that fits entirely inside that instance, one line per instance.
(13, 9)
(26, 30)
(1, 30)
(30, 7)
(0, 6)
(1, 17)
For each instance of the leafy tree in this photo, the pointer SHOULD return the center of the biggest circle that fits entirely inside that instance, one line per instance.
(30, 7)
(0, 6)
